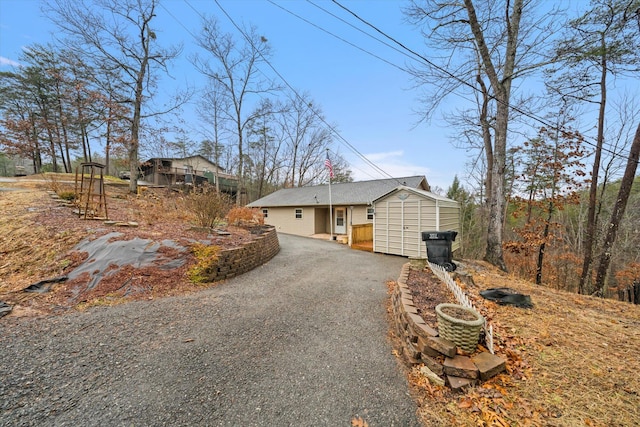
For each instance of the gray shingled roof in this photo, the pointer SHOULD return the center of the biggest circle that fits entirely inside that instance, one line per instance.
(417, 191)
(345, 193)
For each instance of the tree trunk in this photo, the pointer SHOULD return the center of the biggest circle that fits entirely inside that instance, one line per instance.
(494, 253)
(85, 137)
(543, 245)
(135, 135)
(137, 108)
(618, 212)
(37, 155)
(52, 149)
(486, 138)
(107, 148)
(66, 158)
(502, 89)
(264, 161)
(592, 219)
(62, 156)
(240, 189)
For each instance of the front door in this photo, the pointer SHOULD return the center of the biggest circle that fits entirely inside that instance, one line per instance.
(341, 226)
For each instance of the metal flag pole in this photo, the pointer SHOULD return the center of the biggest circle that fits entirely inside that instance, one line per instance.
(329, 166)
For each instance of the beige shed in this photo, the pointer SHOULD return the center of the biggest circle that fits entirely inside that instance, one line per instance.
(401, 215)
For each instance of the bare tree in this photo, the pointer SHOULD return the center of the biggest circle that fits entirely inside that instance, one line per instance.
(213, 108)
(119, 36)
(19, 130)
(618, 212)
(235, 69)
(264, 146)
(483, 42)
(600, 43)
(306, 138)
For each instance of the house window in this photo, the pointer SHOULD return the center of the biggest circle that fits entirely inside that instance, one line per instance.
(265, 213)
(370, 214)
(298, 213)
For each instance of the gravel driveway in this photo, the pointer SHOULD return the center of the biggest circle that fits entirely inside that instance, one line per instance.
(300, 341)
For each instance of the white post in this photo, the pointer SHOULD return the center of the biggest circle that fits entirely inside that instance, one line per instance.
(330, 211)
(328, 164)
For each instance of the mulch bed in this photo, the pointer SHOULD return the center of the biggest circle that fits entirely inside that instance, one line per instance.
(37, 237)
(428, 291)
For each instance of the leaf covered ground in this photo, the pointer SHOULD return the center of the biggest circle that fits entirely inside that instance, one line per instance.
(572, 360)
(38, 234)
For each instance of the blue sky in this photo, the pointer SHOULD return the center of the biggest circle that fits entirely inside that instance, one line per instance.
(371, 103)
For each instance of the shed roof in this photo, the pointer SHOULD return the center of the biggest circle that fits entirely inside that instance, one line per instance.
(344, 193)
(418, 191)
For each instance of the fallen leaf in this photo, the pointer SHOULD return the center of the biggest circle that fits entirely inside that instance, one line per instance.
(466, 403)
(359, 422)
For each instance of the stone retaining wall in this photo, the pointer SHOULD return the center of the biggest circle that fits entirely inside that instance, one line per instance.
(233, 262)
(422, 345)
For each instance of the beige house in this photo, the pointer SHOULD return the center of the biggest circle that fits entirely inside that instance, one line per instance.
(305, 210)
(402, 214)
(187, 170)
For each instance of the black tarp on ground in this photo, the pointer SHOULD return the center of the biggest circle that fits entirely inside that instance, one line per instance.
(507, 296)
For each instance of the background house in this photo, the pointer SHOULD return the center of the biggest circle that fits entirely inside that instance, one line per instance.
(304, 211)
(187, 170)
(14, 165)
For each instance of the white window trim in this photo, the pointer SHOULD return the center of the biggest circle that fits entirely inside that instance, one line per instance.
(370, 214)
(295, 213)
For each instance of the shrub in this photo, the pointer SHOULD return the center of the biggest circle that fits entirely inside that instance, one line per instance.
(67, 195)
(207, 206)
(52, 182)
(207, 260)
(245, 216)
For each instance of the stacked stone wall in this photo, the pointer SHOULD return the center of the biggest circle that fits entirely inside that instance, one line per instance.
(236, 261)
(422, 345)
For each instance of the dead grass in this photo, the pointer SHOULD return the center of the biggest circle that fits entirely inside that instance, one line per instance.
(38, 234)
(572, 361)
(28, 247)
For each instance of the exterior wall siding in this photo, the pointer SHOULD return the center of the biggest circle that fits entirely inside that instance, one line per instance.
(360, 215)
(450, 220)
(284, 220)
(400, 221)
(314, 220)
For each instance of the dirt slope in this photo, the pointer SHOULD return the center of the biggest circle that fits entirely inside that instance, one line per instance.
(572, 361)
(38, 234)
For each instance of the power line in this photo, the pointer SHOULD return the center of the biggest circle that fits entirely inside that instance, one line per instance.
(400, 51)
(312, 110)
(414, 56)
(336, 36)
(319, 116)
(422, 59)
(178, 21)
(464, 82)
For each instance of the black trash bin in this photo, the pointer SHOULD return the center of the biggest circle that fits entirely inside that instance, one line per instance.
(439, 247)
